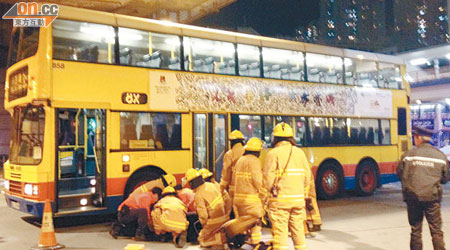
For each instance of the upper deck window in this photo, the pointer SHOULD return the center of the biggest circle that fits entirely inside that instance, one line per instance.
(24, 43)
(80, 41)
(323, 68)
(249, 58)
(389, 76)
(149, 49)
(208, 56)
(361, 73)
(283, 64)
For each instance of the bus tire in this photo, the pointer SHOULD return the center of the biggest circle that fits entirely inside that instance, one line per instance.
(329, 181)
(140, 177)
(366, 178)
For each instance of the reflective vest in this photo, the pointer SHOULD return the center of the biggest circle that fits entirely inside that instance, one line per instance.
(186, 195)
(292, 176)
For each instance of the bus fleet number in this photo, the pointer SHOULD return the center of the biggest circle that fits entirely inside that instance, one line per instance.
(58, 65)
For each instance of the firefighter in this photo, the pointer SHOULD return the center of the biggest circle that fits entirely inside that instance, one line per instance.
(212, 211)
(162, 182)
(229, 161)
(313, 214)
(248, 194)
(169, 216)
(286, 175)
(136, 209)
(208, 177)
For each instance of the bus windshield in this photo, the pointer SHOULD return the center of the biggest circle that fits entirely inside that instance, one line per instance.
(27, 135)
(24, 43)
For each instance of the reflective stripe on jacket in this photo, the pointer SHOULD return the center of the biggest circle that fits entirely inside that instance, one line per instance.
(421, 171)
(293, 181)
(248, 176)
(210, 206)
(148, 186)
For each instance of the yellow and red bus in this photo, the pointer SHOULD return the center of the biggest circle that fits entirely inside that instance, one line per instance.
(102, 102)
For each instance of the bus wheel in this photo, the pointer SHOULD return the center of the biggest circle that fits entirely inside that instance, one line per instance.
(329, 181)
(140, 178)
(366, 178)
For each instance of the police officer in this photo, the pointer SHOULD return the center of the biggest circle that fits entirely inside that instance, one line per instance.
(229, 161)
(248, 193)
(286, 175)
(421, 171)
(162, 182)
(212, 211)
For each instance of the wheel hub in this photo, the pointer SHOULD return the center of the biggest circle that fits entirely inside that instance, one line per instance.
(330, 182)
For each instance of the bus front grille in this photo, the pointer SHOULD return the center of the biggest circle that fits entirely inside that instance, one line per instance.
(15, 187)
(16, 175)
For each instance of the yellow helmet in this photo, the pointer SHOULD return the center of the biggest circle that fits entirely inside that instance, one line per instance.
(205, 173)
(236, 134)
(167, 190)
(283, 130)
(254, 144)
(170, 179)
(191, 174)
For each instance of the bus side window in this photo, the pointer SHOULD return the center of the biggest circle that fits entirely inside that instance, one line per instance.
(175, 138)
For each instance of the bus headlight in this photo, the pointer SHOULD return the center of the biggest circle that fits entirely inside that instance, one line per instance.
(6, 184)
(30, 189)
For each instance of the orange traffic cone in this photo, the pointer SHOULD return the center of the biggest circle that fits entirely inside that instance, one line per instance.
(47, 239)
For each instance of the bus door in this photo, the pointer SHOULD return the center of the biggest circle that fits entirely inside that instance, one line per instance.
(210, 141)
(81, 159)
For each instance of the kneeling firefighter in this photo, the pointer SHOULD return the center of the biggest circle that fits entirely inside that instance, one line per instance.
(248, 194)
(212, 211)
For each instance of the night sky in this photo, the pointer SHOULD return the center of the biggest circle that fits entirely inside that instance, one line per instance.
(273, 18)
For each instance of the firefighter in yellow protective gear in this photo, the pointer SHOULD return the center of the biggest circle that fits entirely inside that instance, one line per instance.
(169, 216)
(313, 214)
(229, 161)
(287, 174)
(212, 211)
(208, 177)
(248, 194)
(162, 182)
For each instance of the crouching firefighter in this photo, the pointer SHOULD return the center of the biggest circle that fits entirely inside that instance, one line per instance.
(169, 216)
(211, 208)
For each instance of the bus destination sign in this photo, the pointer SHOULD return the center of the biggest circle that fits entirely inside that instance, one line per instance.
(134, 98)
(18, 84)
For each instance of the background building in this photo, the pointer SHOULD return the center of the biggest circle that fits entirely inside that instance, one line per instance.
(388, 26)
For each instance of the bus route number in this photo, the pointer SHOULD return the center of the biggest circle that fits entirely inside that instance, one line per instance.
(134, 98)
(58, 65)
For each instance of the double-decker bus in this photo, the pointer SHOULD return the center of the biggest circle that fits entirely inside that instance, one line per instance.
(434, 116)
(103, 102)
